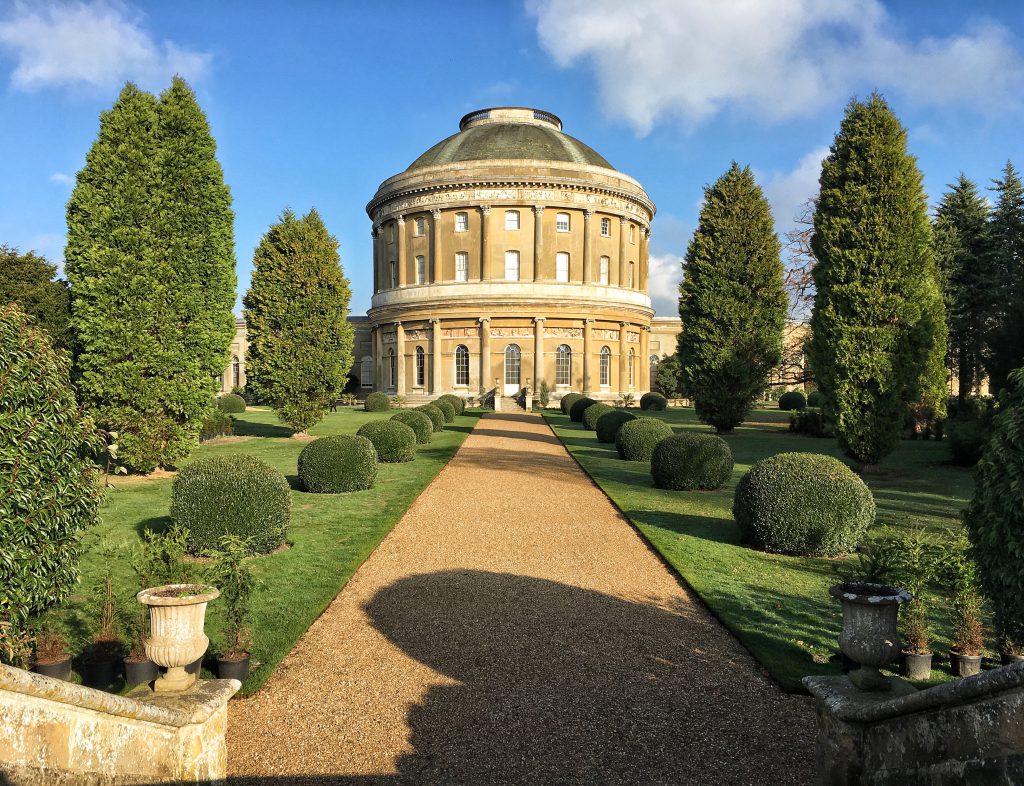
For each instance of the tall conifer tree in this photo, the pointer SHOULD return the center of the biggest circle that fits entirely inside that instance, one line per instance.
(1007, 226)
(731, 301)
(29, 280)
(296, 312)
(878, 339)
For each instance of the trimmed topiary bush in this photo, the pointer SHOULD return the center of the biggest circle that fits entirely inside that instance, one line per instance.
(436, 416)
(609, 423)
(685, 462)
(816, 399)
(568, 400)
(332, 465)
(636, 438)
(418, 422)
(447, 409)
(793, 400)
(803, 503)
(216, 424)
(377, 402)
(457, 402)
(810, 421)
(592, 413)
(579, 406)
(231, 403)
(395, 442)
(653, 402)
(238, 495)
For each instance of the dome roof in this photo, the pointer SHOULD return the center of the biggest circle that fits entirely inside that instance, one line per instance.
(510, 133)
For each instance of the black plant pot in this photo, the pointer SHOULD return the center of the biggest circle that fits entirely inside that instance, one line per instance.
(233, 669)
(195, 666)
(964, 665)
(140, 672)
(100, 672)
(60, 669)
(917, 667)
(1008, 660)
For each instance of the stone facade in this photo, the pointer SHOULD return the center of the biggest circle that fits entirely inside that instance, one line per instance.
(234, 374)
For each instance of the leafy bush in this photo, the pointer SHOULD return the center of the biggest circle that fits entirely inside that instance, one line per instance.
(51, 489)
(568, 400)
(636, 438)
(816, 399)
(809, 421)
(418, 422)
(231, 495)
(231, 403)
(543, 394)
(684, 462)
(803, 503)
(609, 423)
(593, 413)
(436, 416)
(394, 441)
(967, 440)
(332, 465)
(579, 406)
(653, 402)
(377, 402)
(458, 403)
(231, 573)
(216, 424)
(447, 409)
(792, 400)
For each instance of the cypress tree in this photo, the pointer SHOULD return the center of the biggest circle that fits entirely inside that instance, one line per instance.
(878, 340)
(30, 281)
(731, 301)
(1007, 228)
(296, 312)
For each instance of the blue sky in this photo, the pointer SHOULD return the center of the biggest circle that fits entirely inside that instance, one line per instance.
(315, 103)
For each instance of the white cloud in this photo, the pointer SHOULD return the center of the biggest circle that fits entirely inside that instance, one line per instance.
(62, 178)
(664, 272)
(788, 191)
(774, 61)
(94, 44)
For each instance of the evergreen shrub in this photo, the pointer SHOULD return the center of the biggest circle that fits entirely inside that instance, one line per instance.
(816, 399)
(967, 440)
(792, 400)
(231, 403)
(447, 409)
(609, 423)
(436, 416)
(810, 421)
(332, 465)
(377, 402)
(579, 406)
(568, 400)
(653, 402)
(418, 422)
(803, 503)
(395, 442)
(216, 424)
(636, 438)
(593, 413)
(457, 402)
(686, 462)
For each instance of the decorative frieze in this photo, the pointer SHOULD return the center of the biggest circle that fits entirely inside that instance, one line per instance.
(417, 335)
(606, 335)
(461, 332)
(512, 332)
(388, 338)
(632, 338)
(563, 332)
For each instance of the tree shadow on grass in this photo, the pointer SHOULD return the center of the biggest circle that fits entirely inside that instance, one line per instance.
(155, 524)
(249, 428)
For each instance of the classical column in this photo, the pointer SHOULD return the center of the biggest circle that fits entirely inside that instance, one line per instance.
(485, 246)
(587, 350)
(643, 261)
(401, 250)
(399, 359)
(645, 360)
(588, 216)
(435, 247)
(374, 232)
(538, 351)
(623, 358)
(435, 348)
(623, 262)
(485, 352)
(538, 242)
(378, 358)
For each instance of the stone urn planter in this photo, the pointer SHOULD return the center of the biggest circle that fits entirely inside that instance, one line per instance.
(869, 634)
(177, 613)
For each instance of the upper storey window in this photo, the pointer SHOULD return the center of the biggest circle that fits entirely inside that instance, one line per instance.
(421, 226)
(511, 219)
(632, 233)
(603, 271)
(421, 270)
(462, 222)
(391, 232)
(631, 276)
(606, 227)
(392, 275)
(462, 266)
(511, 265)
(562, 222)
(561, 267)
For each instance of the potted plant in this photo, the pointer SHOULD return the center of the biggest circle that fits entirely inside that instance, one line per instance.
(51, 657)
(177, 615)
(1009, 651)
(967, 638)
(916, 561)
(101, 662)
(233, 576)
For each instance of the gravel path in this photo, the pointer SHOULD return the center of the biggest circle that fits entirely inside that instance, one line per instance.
(514, 629)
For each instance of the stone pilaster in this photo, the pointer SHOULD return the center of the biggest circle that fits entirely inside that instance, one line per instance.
(588, 242)
(644, 258)
(435, 247)
(623, 359)
(645, 360)
(538, 242)
(378, 358)
(588, 350)
(374, 233)
(485, 352)
(435, 360)
(623, 261)
(401, 250)
(399, 359)
(538, 351)
(485, 245)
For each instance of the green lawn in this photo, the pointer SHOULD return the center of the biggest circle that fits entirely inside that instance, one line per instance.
(777, 606)
(330, 534)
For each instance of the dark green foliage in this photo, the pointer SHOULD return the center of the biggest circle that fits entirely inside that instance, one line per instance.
(816, 399)
(593, 413)
(377, 402)
(458, 403)
(216, 424)
(50, 483)
(231, 573)
(731, 301)
(803, 503)
(447, 409)
(810, 421)
(878, 330)
(967, 438)
(150, 261)
(418, 422)
(609, 423)
(393, 440)
(231, 403)
(331, 465)
(686, 462)
(995, 517)
(436, 416)
(792, 400)
(636, 438)
(28, 281)
(231, 495)
(568, 400)
(1007, 231)
(654, 402)
(578, 407)
(543, 394)
(296, 309)
(668, 377)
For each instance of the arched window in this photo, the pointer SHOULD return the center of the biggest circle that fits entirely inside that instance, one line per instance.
(461, 365)
(563, 365)
(421, 367)
(421, 270)
(606, 366)
(561, 266)
(561, 222)
(366, 372)
(236, 372)
(511, 265)
(603, 270)
(513, 365)
(511, 219)
(392, 369)
(632, 364)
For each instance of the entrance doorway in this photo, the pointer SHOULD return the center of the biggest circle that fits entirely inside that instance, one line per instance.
(513, 370)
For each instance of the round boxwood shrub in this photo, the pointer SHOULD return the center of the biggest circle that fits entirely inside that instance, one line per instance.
(567, 401)
(344, 462)
(418, 422)
(457, 402)
(592, 413)
(636, 438)
(803, 503)
(579, 406)
(377, 402)
(792, 400)
(238, 495)
(816, 399)
(447, 409)
(436, 416)
(609, 423)
(654, 402)
(394, 442)
(686, 462)
(231, 403)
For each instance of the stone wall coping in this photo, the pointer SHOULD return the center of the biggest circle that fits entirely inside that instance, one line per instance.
(193, 706)
(850, 704)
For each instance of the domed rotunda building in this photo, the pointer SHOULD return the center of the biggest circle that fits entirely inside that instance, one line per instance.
(507, 254)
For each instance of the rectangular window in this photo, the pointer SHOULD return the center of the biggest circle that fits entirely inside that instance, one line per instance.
(391, 232)
(561, 267)
(632, 233)
(606, 227)
(562, 222)
(631, 275)
(606, 366)
(462, 222)
(511, 219)
(462, 266)
(603, 270)
(421, 270)
(394, 279)
(511, 265)
(421, 226)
